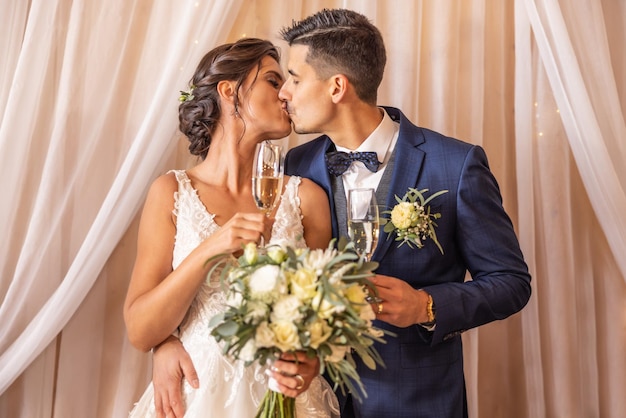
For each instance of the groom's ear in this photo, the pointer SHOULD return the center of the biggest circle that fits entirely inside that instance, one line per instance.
(338, 87)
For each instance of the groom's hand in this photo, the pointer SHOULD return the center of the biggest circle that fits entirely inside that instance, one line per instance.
(398, 303)
(170, 364)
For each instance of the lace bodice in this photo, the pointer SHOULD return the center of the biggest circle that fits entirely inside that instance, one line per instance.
(194, 223)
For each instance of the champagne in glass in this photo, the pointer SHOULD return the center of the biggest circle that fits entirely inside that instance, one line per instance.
(267, 176)
(363, 221)
(266, 191)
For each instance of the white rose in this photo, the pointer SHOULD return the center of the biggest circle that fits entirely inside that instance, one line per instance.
(286, 309)
(234, 299)
(286, 334)
(264, 336)
(265, 283)
(248, 351)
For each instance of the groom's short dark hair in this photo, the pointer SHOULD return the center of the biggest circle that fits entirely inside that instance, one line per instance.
(342, 41)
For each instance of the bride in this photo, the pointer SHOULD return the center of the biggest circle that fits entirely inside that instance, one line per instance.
(191, 215)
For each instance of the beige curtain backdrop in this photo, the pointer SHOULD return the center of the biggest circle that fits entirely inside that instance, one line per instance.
(88, 113)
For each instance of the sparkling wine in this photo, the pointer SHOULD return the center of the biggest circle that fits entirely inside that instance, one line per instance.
(364, 234)
(266, 191)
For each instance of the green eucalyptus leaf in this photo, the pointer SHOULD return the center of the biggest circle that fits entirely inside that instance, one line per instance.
(226, 329)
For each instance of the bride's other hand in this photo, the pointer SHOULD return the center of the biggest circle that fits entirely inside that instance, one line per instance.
(293, 373)
(170, 365)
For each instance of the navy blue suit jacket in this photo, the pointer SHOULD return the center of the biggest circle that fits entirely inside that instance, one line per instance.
(424, 370)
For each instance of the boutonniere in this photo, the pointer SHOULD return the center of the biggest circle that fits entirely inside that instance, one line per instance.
(412, 220)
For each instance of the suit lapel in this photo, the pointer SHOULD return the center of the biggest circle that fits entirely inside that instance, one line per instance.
(319, 172)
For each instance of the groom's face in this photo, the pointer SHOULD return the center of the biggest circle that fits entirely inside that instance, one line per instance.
(308, 97)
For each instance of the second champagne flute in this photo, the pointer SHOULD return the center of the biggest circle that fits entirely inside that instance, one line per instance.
(267, 176)
(363, 221)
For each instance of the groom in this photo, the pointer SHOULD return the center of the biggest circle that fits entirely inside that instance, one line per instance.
(336, 64)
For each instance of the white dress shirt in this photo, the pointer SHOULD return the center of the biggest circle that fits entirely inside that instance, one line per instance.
(381, 141)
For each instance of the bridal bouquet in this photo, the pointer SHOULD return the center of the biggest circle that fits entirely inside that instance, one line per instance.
(412, 220)
(286, 299)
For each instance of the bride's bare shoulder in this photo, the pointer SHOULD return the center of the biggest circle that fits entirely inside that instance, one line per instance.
(311, 189)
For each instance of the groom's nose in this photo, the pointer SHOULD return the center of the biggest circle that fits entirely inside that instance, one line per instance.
(284, 93)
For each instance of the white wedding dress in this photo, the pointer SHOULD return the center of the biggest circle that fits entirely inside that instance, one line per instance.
(227, 388)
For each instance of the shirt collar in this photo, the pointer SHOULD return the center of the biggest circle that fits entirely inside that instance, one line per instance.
(379, 140)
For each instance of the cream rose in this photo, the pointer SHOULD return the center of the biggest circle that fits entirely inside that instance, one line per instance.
(304, 284)
(264, 335)
(356, 294)
(286, 334)
(338, 353)
(319, 332)
(402, 215)
(276, 253)
(250, 253)
(367, 313)
(326, 309)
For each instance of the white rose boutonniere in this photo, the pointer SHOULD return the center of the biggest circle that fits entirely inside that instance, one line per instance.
(412, 220)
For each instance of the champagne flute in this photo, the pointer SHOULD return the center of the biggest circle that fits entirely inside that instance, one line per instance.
(267, 177)
(363, 221)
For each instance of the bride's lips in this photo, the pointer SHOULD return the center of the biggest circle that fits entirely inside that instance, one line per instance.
(286, 110)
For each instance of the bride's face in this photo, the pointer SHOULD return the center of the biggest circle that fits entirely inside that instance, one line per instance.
(260, 107)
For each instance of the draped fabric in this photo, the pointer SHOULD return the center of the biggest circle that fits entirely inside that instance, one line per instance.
(88, 118)
(570, 104)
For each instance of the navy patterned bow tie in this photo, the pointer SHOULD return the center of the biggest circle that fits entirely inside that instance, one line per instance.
(338, 162)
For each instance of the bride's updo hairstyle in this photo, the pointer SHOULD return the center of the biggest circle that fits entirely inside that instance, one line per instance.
(200, 109)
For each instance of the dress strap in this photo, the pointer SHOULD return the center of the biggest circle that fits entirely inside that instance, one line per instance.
(184, 183)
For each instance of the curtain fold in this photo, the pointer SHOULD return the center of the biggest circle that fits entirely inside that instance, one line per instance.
(88, 118)
(572, 234)
(594, 121)
(531, 342)
(84, 115)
